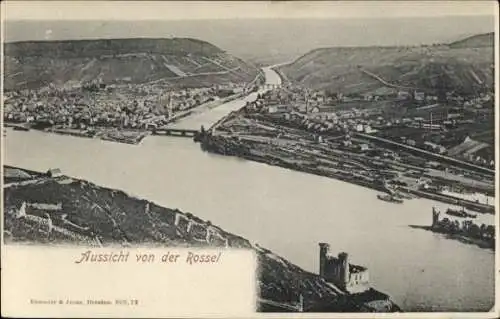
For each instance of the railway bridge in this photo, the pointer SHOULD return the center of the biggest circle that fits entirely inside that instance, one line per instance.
(175, 132)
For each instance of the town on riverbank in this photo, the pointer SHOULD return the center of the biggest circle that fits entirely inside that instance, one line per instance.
(367, 141)
(119, 96)
(119, 113)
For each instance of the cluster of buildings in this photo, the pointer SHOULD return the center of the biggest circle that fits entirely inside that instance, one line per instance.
(304, 97)
(320, 111)
(133, 106)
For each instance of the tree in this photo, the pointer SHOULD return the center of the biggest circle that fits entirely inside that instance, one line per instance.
(466, 225)
(490, 231)
(474, 230)
(482, 230)
(445, 223)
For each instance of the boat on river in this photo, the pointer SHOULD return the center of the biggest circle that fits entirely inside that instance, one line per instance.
(402, 195)
(390, 198)
(20, 128)
(395, 192)
(460, 213)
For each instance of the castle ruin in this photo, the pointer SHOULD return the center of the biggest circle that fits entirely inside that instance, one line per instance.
(338, 271)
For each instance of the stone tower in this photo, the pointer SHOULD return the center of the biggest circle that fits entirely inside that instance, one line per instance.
(323, 252)
(435, 216)
(344, 267)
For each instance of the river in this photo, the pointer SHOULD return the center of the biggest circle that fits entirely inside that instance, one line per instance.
(286, 211)
(207, 119)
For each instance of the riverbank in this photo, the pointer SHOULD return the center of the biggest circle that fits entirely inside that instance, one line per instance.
(204, 107)
(465, 231)
(227, 146)
(448, 199)
(466, 239)
(112, 134)
(267, 139)
(98, 216)
(120, 135)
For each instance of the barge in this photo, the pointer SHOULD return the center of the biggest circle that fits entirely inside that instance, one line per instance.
(390, 198)
(460, 213)
(20, 128)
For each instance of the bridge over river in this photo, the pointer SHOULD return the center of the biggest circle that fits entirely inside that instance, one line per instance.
(175, 132)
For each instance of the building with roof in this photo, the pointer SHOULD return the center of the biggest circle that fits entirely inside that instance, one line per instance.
(280, 108)
(338, 271)
(419, 96)
(467, 147)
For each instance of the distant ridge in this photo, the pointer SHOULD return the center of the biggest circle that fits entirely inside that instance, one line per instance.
(475, 41)
(96, 47)
(464, 66)
(184, 62)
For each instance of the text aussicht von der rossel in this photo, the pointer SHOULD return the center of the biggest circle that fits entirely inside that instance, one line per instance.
(189, 257)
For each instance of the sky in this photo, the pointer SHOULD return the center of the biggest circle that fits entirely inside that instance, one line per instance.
(284, 30)
(182, 10)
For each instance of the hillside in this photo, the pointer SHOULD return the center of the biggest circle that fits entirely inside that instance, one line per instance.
(47, 210)
(475, 41)
(465, 67)
(177, 61)
(265, 41)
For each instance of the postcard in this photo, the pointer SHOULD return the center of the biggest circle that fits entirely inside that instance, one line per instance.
(243, 159)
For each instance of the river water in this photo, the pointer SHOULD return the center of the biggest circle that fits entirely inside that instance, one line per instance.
(286, 211)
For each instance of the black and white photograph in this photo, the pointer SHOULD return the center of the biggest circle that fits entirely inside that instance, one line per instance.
(350, 145)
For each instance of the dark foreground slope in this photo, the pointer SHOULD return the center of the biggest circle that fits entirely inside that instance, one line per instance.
(465, 67)
(47, 210)
(182, 61)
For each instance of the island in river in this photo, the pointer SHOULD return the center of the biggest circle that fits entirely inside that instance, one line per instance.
(49, 208)
(467, 232)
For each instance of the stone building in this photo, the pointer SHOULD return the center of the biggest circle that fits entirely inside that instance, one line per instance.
(338, 271)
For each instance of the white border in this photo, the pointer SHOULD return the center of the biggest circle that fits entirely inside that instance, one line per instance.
(40, 9)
